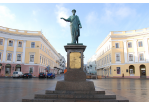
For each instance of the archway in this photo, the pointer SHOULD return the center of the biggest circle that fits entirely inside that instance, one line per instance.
(142, 71)
(131, 70)
(0, 67)
(7, 69)
(18, 68)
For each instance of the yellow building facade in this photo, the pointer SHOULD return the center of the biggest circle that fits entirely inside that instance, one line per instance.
(124, 54)
(26, 51)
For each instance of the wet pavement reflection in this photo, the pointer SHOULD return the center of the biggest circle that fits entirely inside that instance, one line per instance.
(135, 90)
(14, 90)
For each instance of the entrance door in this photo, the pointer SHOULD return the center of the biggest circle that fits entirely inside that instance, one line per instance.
(18, 68)
(142, 71)
(7, 70)
(0, 68)
(131, 70)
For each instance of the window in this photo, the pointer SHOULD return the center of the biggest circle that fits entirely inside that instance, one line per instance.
(129, 45)
(0, 56)
(117, 57)
(31, 70)
(141, 56)
(31, 58)
(140, 44)
(10, 43)
(41, 46)
(130, 57)
(131, 71)
(1, 41)
(20, 44)
(118, 70)
(32, 44)
(40, 59)
(116, 45)
(9, 55)
(45, 49)
(18, 57)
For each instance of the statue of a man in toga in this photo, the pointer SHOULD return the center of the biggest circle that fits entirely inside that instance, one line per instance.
(75, 24)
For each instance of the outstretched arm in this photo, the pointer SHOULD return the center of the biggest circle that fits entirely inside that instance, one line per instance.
(67, 20)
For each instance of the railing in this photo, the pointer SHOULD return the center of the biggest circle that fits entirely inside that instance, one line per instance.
(128, 32)
(15, 31)
(131, 31)
(3, 28)
(117, 32)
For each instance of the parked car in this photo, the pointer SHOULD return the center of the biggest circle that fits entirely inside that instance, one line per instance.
(50, 75)
(27, 75)
(17, 74)
(42, 75)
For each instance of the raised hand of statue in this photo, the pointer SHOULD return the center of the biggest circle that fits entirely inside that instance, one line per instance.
(80, 26)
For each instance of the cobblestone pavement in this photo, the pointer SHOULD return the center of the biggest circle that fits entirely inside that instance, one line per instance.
(14, 90)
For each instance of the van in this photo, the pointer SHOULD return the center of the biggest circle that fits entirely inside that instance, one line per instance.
(17, 74)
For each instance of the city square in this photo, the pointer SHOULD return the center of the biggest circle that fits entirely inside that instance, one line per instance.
(61, 52)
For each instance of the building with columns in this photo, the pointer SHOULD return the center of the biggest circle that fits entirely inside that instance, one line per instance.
(26, 51)
(124, 54)
(61, 63)
(91, 65)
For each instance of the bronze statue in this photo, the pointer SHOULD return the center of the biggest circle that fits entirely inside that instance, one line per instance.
(75, 24)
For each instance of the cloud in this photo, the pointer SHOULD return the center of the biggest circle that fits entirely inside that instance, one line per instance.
(6, 16)
(124, 12)
(62, 12)
(113, 13)
(10, 20)
(34, 12)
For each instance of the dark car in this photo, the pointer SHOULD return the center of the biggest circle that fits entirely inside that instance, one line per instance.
(42, 75)
(27, 75)
(50, 75)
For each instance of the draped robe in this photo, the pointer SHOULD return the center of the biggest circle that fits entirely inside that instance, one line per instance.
(74, 27)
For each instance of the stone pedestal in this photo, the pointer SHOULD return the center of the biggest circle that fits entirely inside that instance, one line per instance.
(75, 77)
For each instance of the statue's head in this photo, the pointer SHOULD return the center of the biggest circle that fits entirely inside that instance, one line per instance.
(73, 11)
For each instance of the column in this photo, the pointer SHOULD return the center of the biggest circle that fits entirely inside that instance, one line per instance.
(145, 44)
(14, 51)
(125, 51)
(23, 54)
(5, 48)
(135, 50)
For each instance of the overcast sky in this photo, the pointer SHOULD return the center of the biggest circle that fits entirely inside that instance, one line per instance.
(97, 20)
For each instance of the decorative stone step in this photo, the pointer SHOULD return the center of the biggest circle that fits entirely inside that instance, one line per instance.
(70, 96)
(73, 100)
(74, 92)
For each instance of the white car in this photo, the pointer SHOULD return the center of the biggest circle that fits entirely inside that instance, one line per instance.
(17, 74)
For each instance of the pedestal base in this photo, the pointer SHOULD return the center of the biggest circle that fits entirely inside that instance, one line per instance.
(75, 85)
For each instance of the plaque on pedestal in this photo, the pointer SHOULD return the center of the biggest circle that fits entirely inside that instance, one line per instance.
(75, 77)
